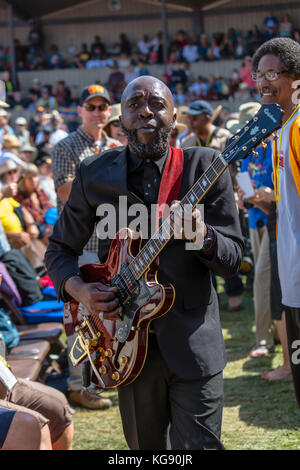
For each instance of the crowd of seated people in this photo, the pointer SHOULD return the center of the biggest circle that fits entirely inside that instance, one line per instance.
(184, 46)
(61, 99)
(33, 414)
(27, 193)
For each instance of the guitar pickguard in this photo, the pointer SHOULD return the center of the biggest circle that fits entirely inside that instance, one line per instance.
(141, 297)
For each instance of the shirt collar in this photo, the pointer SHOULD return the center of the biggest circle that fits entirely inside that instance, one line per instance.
(90, 138)
(134, 162)
(85, 135)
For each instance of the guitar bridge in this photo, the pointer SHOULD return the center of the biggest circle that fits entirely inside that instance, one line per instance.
(83, 346)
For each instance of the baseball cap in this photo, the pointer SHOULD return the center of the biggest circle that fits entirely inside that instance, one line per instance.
(92, 91)
(44, 159)
(199, 107)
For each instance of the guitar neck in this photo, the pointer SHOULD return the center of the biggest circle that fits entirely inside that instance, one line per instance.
(163, 235)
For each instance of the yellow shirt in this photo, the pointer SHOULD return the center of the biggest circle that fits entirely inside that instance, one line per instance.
(287, 190)
(9, 219)
(293, 135)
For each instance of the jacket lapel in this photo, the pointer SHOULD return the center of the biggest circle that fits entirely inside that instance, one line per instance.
(116, 174)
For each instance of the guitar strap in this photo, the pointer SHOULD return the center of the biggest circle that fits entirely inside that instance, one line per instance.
(170, 182)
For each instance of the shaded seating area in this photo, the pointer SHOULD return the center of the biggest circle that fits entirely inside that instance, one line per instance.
(40, 328)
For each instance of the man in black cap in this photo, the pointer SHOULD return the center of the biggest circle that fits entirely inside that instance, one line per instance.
(205, 133)
(94, 110)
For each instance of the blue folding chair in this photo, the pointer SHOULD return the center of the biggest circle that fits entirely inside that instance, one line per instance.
(47, 310)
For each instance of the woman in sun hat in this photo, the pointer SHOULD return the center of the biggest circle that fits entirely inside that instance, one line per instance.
(113, 126)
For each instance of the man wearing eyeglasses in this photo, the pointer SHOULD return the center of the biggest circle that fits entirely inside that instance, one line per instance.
(94, 110)
(276, 68)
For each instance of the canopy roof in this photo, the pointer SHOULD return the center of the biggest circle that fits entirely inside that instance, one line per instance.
(38, 9)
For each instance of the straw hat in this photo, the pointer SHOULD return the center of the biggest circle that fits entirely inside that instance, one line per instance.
(179, 124)
(180, 127)
(10, 141)
(7, 165)
(115, 113)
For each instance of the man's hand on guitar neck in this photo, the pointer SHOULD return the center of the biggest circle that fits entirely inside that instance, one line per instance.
(189, 225)
(96, 297)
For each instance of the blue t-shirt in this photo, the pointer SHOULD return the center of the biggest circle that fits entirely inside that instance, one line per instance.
(260, 171)
(271, 22)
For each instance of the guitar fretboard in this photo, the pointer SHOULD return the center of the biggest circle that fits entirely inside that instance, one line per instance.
(161, 237)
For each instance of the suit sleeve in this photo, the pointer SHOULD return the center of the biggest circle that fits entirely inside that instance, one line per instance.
(70, 235)
(221, 213)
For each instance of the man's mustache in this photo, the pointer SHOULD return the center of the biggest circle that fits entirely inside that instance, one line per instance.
(155, 148)
(161, 132)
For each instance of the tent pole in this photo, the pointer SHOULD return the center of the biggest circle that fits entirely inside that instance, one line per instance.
(12, 45)
(164, 19)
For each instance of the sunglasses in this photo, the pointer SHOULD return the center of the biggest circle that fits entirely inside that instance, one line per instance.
(91, 107)
(116, 124)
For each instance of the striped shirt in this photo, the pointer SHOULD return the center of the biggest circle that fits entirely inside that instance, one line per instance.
(70, 151)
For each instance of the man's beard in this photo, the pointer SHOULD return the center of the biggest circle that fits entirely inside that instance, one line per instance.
(154, 149)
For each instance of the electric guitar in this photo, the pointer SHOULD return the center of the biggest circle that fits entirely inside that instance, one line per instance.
(116, 351)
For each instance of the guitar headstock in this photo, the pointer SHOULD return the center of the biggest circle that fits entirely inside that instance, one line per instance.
(267, 120)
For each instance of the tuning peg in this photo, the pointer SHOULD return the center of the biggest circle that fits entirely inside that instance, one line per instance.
(264, 144)
(255, 154)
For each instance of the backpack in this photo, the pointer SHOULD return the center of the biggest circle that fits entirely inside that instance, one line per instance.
(8, 332)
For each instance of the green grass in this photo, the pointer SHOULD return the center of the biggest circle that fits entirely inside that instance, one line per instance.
(257, 415)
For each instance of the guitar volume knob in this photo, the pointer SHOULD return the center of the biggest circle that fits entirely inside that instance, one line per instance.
(102, 370)
(123, 359)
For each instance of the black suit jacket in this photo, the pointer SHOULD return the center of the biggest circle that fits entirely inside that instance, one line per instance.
(189, 335)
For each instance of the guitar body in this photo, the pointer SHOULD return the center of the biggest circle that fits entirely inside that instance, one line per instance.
(118, 349)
